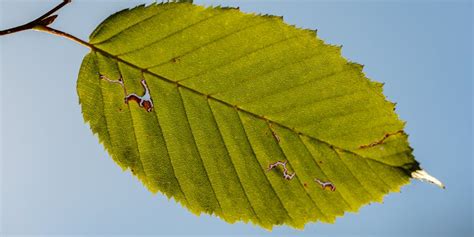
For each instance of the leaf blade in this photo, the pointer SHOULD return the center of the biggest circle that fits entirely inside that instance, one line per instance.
(223, 114)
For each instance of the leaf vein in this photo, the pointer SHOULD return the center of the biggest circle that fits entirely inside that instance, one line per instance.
(171, 35)
(131, 26)
(273, 70)
(220, 38)
(217, 67)
(133, 129)
(233, 165)
(292, 108)
(103, 107)
(296, 176)
(197, 148)
(219, 100)
(353, 175)
(274, 93)
(155, 112)
(322, 171)
(376, 174)
(261, 169)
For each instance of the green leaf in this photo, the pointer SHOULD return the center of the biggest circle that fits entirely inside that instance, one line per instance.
(215, 96)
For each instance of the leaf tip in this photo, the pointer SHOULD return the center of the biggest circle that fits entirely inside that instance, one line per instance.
(424, 176)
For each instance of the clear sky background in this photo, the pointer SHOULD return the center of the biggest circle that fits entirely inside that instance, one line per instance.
(57, 179)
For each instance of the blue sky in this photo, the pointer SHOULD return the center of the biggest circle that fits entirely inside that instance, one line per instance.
(57, 179)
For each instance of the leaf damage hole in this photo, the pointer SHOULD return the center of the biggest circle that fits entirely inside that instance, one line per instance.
(118, 81)
(143, 101)
(326, 185)
(286, 174)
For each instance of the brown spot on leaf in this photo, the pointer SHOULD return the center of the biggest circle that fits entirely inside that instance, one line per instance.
(326, 185)
(147, 105)
(175, 60)
(274, 134)
(381, 141)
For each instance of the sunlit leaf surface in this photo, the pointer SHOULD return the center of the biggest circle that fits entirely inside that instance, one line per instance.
(201, 104)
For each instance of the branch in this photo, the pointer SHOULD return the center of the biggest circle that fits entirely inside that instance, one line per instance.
(43, 20)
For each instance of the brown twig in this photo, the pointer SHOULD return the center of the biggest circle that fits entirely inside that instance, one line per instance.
(41, 21)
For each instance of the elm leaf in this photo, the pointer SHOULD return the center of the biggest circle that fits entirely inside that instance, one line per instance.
(241, 115)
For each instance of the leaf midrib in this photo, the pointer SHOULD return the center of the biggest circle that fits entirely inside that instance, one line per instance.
(145, 70)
